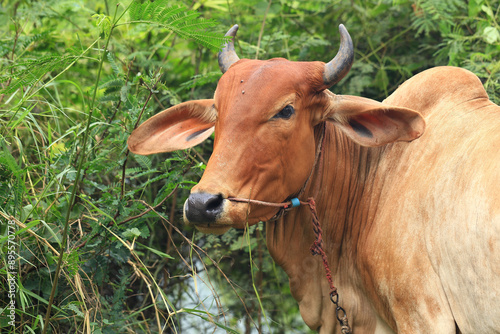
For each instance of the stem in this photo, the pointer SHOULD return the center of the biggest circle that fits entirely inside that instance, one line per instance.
(383, 45)
(261, 310)
(262, 29)
(171, 217)
(259, 275)
(128, 151)
(77, 178)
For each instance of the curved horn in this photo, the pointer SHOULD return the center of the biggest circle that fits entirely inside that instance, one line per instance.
(339, 66)
(227, 56)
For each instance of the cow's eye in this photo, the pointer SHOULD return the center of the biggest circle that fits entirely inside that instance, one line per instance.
(285, 113)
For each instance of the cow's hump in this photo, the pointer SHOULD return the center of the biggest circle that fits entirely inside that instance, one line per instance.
(439, 88)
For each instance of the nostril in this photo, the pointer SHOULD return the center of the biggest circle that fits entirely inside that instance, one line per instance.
(203, 208)
(214, 203)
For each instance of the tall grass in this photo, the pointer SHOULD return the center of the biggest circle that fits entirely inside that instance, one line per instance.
(95, 252)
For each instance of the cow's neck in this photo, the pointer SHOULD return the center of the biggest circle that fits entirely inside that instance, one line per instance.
(339, 185)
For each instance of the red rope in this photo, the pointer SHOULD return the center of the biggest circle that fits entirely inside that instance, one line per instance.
(283, 205)
(317, 246)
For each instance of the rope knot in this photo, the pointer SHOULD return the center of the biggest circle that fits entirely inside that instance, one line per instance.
(311, 203)
(316, 248)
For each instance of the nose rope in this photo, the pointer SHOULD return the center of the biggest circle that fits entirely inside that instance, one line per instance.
(316, 249)
(294, 202)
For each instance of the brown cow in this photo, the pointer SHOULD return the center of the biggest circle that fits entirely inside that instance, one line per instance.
(411, 228)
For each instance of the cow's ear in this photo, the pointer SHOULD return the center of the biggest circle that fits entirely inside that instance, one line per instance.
(179, 127)
(371, 123)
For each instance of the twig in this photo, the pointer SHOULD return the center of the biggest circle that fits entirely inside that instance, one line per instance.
(159, 102)
(124, 167)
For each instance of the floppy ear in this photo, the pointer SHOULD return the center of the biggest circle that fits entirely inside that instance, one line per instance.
(179, 127)
(371, 123)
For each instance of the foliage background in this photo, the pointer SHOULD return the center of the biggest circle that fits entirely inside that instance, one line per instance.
(77, 77)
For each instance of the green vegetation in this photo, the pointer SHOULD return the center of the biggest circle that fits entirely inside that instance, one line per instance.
(97, 232)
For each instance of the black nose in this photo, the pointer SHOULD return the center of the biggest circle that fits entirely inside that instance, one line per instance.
(203, 208)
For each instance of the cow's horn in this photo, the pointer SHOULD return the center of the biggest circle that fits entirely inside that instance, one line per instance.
(227, 56)
(339, 66)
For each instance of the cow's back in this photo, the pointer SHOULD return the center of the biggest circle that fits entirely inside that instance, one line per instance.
(441, 191)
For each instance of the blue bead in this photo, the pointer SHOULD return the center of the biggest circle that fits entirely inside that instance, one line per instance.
(295, 202)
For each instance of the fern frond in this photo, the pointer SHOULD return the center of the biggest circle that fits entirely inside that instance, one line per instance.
(186, 23)
(130, 171)
(144, 161)
(167, 12)
(110, 97)
(22, 43)
(433, 14)
(32, 39)
(144, 173)
(113, 89)
(206, 39)
(183, 19)
(112, 61)
(29, 72)
(5, 47)
(155, 179)
(136, 10)
(112, 83)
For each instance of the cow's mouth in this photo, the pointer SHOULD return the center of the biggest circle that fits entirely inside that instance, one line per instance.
(213, 229)
(211, 213)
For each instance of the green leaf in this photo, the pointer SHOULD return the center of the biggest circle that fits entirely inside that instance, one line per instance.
(72, 306)
(41, 299)
(381, 79)
(157, 252)
(103, 22)
(23, 115)
(491, 35)
(488, 11)
(131, 233)
(381, 9)
(124, 93)
(28, 226)
(474, 8)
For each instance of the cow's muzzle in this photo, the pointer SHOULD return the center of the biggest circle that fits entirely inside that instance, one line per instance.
(203, 208)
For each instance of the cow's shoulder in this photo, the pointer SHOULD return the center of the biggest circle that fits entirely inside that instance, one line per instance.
(439, 88)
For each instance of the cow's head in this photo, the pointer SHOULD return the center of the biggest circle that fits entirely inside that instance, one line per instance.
(264, 114)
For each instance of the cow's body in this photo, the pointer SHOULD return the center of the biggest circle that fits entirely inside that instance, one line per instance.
(411, 227)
